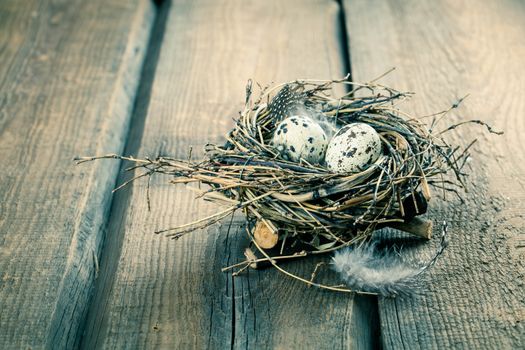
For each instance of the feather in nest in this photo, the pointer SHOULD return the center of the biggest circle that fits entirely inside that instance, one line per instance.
(382, 271)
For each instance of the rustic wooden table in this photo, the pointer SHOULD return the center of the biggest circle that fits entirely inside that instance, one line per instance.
(79, 266)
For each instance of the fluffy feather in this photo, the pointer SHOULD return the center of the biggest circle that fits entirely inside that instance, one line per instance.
(384, 272)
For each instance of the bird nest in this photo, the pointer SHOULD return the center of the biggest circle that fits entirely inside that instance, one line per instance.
(299, 204)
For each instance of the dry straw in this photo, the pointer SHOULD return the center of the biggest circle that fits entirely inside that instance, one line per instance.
(302, 205)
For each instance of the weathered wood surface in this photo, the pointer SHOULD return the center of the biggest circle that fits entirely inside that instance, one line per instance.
(68, 75)
(154, 292)
(68, 80)
(444, 50)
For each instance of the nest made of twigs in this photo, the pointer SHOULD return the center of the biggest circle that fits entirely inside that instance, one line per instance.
(306, 203)
(304, 207)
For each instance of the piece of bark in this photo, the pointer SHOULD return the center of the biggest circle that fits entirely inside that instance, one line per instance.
(416, 226)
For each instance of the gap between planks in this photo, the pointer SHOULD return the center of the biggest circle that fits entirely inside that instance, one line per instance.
(111, 246)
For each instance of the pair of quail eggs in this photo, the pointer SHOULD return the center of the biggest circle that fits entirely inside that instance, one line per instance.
(352, 149)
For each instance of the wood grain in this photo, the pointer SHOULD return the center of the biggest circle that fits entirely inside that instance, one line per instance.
(158, 293)
(443, 50)
(67, 80)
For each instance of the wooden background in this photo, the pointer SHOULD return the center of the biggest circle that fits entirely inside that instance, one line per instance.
(80, 267)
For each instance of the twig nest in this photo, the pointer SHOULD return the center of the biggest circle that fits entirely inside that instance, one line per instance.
(354, 148)
(300, 137)
(271, 168)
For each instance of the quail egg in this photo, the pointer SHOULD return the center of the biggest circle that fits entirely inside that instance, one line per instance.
(300, 137)
(353, 148)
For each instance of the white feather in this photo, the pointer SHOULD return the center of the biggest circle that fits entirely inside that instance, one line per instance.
(384, 272)
(368, 269)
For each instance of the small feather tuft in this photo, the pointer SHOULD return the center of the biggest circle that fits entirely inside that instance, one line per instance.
(381, 271)
(286, 100)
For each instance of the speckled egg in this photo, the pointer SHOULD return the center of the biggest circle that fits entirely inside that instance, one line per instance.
(353, 148)
(300, 137)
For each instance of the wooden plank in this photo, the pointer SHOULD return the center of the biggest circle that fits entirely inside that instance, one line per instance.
(67, 81)
(443, 50)
(157, 293)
